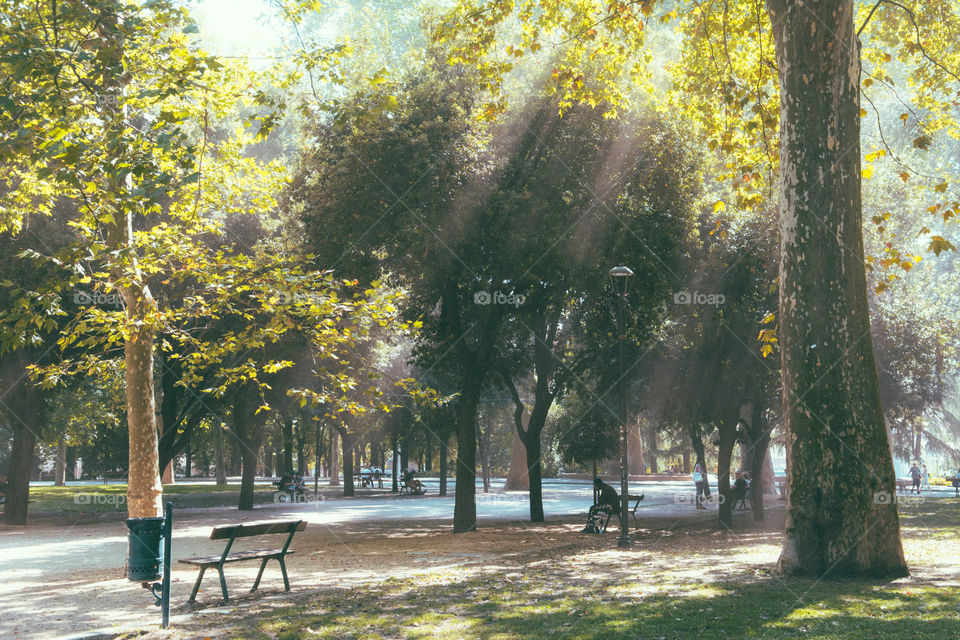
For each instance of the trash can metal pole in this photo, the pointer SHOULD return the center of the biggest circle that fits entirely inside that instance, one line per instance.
(167, 557)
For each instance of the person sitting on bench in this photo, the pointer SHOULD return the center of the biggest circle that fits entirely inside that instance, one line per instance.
(739, 490)
(608, 503)
(415, 485)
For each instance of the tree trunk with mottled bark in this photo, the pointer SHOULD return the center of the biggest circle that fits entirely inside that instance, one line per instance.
(60, 464)
(465, 501)
(219, 460)
(25, 409)
(517, 478)
(837, 444)
(349, 444)
(728, 439)
(334, 459)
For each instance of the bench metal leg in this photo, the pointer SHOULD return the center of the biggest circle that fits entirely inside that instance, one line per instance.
(283, 570)
(223, 584)
(256, 583)
(196, 585)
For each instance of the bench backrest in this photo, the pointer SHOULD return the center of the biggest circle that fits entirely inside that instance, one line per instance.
(258, 528)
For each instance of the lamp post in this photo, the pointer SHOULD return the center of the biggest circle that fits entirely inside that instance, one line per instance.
(619, 281)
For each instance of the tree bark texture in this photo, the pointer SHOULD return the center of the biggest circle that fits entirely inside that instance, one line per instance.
(25, 411)
(517, 479)
(465, 502)
(839, 518)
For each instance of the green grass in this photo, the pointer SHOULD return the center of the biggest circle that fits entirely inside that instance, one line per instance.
(111, 497)
(538, 606)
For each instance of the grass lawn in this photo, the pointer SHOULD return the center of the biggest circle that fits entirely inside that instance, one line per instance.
(111, 497)
(678, 582)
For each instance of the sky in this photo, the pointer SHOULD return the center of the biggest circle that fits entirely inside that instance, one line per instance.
(238, 27)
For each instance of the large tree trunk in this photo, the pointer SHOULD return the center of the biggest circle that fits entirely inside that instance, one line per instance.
(443, 465)
(287, 464)
(244, 423)
(394, 471)
(536, 482)
(465, 504)
(517, 478)
(60, 464)
(635, 458)
(144, 491)
(483, 442)
(18, 477)
(25, 409)
(334, 459)
(71, 469)
(301, 448)
(349, 444)
(728, 439)
(836, 439)
(220, 462)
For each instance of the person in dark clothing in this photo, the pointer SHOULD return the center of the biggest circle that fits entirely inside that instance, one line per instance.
(915, 475)
(415, 485)
(608, 500)
(739, 490)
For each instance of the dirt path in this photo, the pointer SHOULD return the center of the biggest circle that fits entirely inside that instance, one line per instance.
(43, 594)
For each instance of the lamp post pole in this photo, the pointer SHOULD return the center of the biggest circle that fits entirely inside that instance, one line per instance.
(619, 278)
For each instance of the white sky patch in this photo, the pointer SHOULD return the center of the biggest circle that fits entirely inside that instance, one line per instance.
(238, 27)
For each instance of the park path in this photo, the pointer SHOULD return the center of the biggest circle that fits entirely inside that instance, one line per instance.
(55, 581)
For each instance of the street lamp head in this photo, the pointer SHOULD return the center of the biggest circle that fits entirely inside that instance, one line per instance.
(619, 278)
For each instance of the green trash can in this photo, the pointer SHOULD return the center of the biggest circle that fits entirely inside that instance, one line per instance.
(144, 552)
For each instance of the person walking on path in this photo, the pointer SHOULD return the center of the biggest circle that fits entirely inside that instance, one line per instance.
(915, 475)
(925, 478)
(700, 483)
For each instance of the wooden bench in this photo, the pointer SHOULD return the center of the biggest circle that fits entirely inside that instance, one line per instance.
(230, 533)
(636, 500)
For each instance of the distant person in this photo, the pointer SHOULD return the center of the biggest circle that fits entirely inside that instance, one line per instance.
(955, 480)
(700, 483)
(915, 475)
(608, 503)
(925, 479)
(3, 489)
(739, 490)
(408, 479)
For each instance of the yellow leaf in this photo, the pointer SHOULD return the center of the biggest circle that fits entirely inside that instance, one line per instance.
(867, 173)
(941, 188)
(719, 206)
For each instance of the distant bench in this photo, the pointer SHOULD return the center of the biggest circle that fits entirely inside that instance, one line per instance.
(230, 533)
(114, 475)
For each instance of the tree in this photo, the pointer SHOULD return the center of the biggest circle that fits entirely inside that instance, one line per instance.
(393, 184)
(826, 353)
(578, 191)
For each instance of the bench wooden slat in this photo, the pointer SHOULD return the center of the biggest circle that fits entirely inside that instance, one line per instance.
(235, 557)
(257, 528)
